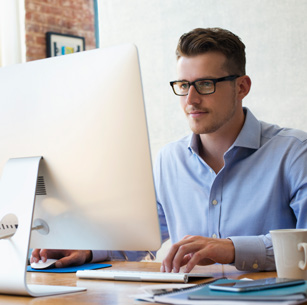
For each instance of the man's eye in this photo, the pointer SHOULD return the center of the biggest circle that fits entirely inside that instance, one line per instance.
(183, 86)
(204, 84)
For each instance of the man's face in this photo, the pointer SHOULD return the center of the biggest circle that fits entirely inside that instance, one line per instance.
(214, 112)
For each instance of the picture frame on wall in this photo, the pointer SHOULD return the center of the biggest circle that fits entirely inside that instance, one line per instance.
(58, 44)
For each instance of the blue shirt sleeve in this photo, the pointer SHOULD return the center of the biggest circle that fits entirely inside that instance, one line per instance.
(101, 255)
(253, 253)
(256, 252)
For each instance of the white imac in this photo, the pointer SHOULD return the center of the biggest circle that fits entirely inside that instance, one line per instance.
(75, 160)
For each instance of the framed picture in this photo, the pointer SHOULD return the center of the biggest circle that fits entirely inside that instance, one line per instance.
(58, 44)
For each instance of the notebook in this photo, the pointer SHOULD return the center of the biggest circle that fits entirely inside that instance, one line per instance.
(200, 293)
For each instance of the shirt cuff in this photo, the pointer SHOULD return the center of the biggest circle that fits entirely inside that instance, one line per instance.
(99, 256)
(250, 253)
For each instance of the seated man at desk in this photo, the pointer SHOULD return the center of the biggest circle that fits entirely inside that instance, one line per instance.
(221, 189)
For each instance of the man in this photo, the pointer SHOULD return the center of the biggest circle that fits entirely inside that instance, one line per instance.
(224, 187)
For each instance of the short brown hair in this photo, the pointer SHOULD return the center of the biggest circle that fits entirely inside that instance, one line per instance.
(199, 41)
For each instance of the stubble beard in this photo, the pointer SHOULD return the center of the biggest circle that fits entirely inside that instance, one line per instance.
(202, 126)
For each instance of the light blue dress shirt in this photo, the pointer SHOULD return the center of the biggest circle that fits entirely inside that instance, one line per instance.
(262, 186)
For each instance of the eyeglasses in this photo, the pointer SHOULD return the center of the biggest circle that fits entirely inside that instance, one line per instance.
(202, 86)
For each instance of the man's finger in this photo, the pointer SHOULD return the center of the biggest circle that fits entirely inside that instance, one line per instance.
(35, 257)
(186, 251)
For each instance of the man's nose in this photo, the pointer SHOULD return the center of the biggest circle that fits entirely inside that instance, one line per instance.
(193, 96)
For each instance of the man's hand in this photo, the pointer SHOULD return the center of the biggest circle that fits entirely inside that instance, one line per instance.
(65, 257)
(198, 250)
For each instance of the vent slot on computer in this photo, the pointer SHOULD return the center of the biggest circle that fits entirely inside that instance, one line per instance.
(40, 187)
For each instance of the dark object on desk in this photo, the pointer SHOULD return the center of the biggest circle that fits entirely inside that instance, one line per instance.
(297, 292)
(268, 283)
(70, 269)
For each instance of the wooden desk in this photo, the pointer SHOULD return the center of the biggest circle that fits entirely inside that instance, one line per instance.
(111, 292)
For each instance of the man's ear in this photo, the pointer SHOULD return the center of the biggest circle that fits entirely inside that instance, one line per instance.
(244, 84)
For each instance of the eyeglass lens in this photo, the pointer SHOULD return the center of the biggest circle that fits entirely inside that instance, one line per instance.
(202, 87)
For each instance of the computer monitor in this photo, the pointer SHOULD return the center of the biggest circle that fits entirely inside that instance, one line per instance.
(74, 131)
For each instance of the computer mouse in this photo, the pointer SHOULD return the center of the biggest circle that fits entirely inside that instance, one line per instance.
(50, 263)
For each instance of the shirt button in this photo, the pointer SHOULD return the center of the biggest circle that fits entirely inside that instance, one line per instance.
(214, 202)
(214, 235)
(255, 266)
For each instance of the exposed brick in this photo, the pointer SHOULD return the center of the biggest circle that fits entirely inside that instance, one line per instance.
(74, 17)
(36, 52)
(40, 40)
(33, 28)
(51, 10)
(30, 39)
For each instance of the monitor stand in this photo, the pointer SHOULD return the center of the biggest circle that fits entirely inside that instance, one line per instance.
(17, 197)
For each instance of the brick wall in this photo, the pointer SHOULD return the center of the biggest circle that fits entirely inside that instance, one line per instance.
(74, 17)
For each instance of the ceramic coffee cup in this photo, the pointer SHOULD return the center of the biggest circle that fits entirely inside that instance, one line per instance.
(290, 251)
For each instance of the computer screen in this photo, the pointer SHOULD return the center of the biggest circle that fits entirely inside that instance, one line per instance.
(84, 114)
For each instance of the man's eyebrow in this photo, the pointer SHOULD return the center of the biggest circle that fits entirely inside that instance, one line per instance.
(181, 80)
(197, 79)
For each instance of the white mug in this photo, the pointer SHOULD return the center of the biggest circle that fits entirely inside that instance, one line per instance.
(290, 251)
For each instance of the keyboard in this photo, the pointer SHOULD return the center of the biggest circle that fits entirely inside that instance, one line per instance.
(140, 276)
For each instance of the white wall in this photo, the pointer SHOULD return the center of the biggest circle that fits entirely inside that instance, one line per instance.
(275, 35)
(12, 32)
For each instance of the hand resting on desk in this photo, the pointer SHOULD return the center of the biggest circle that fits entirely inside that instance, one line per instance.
(198, 250)
(65, 257)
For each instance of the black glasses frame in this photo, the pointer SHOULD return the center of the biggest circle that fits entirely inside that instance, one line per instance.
(214, 80)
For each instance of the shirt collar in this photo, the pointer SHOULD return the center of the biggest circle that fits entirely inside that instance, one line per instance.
(194, 143)
(248, 137)
(250, 133)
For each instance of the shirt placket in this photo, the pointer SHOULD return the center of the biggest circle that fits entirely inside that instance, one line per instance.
(215, 202)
